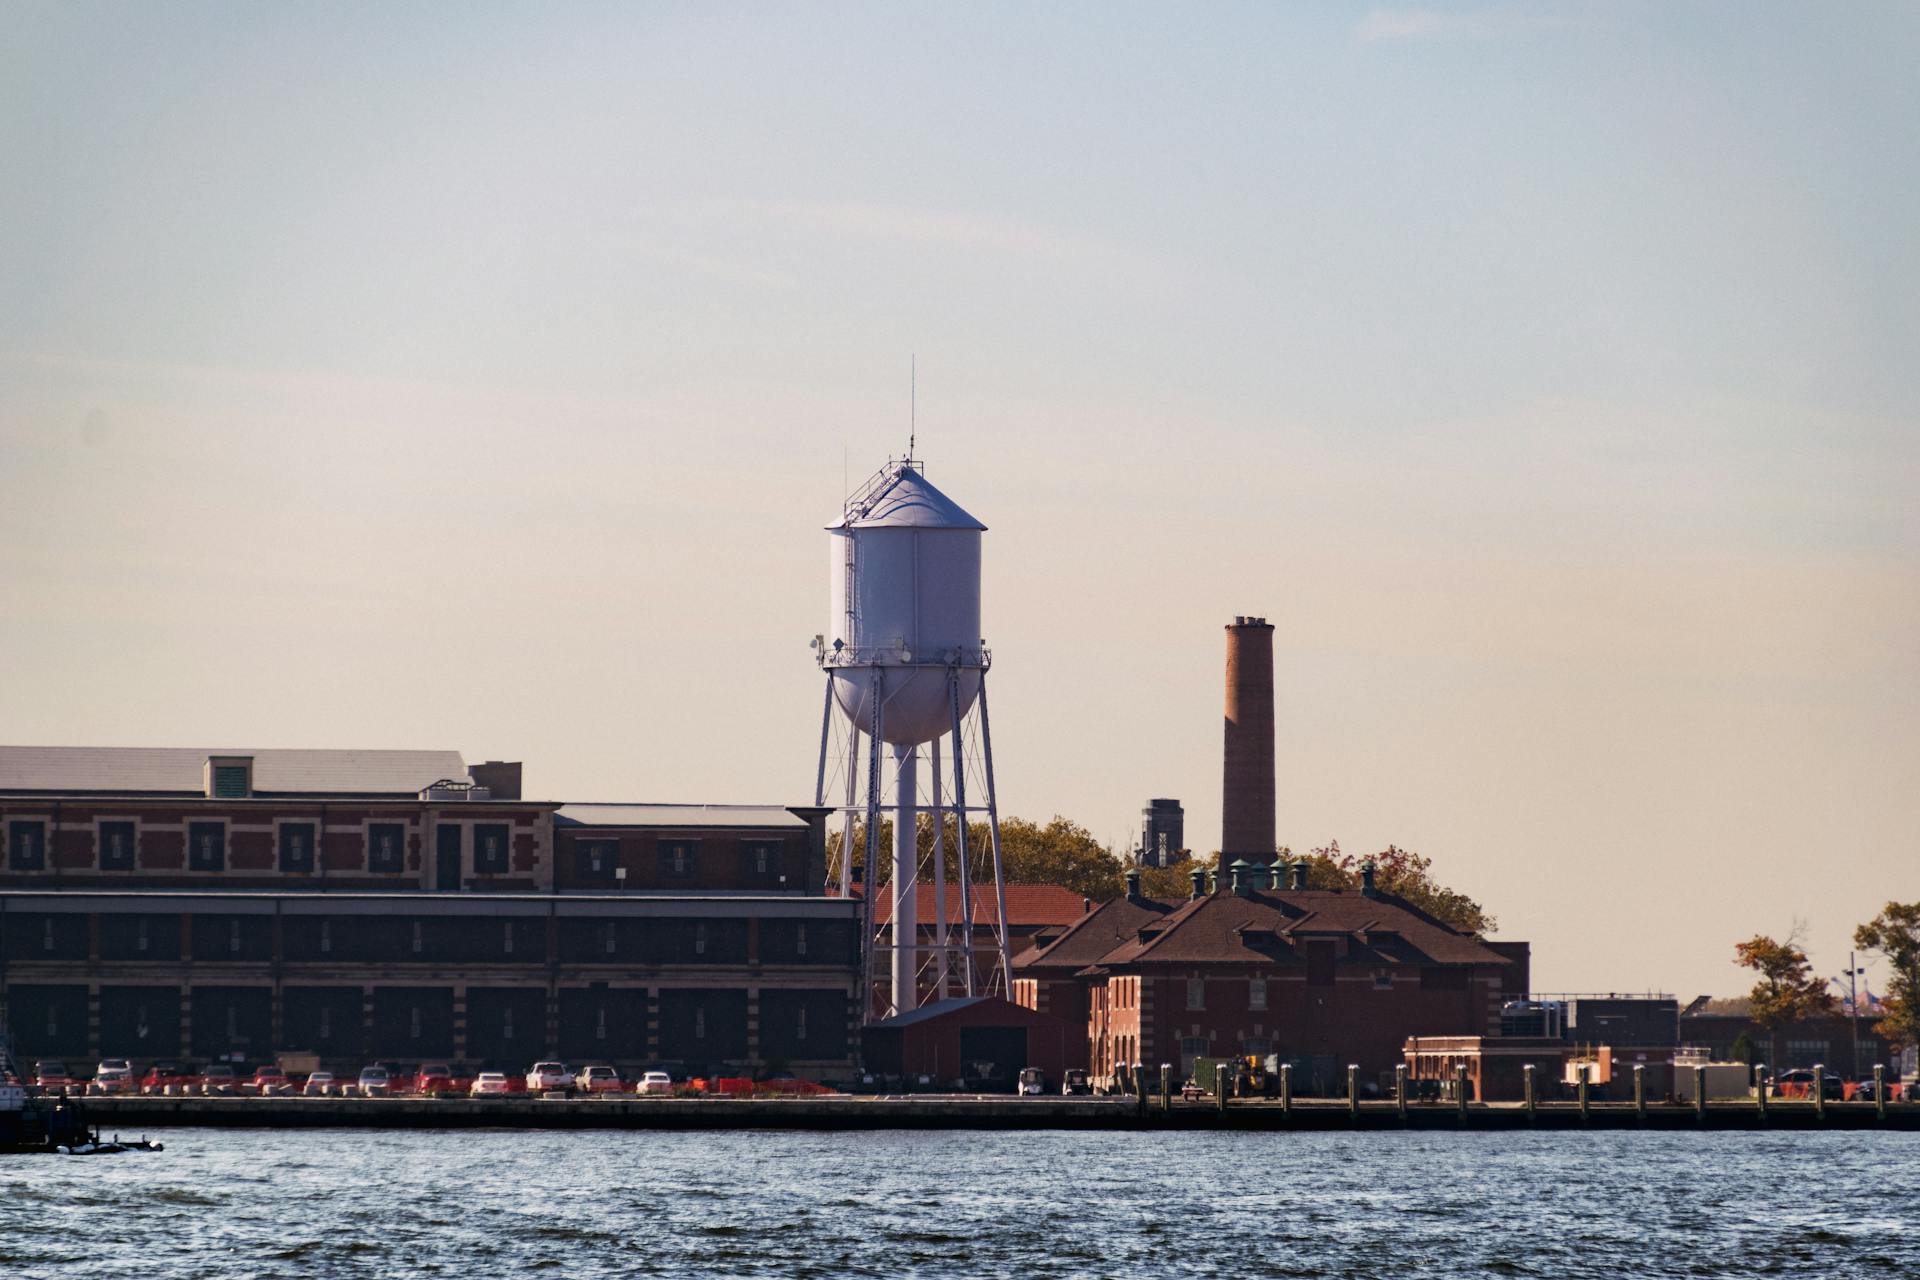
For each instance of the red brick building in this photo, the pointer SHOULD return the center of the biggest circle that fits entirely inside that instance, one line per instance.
(1321, 978)
(403, 905)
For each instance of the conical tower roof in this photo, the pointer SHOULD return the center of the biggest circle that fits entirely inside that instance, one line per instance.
(907, 500)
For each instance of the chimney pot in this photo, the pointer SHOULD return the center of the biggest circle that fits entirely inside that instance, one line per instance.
(1199, 883)
(1300, 874)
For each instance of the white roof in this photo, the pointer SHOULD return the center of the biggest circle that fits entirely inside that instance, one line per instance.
(677, 815)
(910, 501)
(164, 770)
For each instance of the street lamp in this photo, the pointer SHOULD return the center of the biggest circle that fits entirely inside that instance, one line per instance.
(1851, 973)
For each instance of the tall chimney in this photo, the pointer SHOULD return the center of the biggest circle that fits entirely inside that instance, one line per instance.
(1246, 810)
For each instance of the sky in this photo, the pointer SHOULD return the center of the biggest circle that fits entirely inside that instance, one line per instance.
(480, 377)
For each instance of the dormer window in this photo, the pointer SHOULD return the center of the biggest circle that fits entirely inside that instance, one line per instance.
(229, 777)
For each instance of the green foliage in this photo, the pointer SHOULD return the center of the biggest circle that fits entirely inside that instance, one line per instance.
(1065, 853)
(1061, 852)
(1894, 935)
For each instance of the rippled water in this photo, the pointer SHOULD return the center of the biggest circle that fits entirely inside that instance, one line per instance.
(226, 1203)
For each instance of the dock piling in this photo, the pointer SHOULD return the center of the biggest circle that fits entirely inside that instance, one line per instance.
(1879, 1091)
(1819, 1091)
(1529, 1091)
(1640, 1090)
(1400, 1089)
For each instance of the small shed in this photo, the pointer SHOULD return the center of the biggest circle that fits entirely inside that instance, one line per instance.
(971, 1042)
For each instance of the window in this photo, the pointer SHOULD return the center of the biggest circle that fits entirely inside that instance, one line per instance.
(699, 1024)
(296, 846)
(490, 848)
(233, 937)
(506, 1023)
(233, 1023)
(206, 846)
(1807, 1053)
(26, 845)
(116, 846)
(607, 931)
(1256, 993)
(800, 939)
(594, 860)
(140, 943)
(326, 937)
(699, 939)
(600, 1023)
(46, 935)
(763, 859)
(506, 938)
(1194, 1046)
(676, 858)
(1382, 980)
(413, 1022)
(1320, 956)
(800, 1023)
(230, 781)
(386, 847)
(326, 1023)
(1196, 993)
(418, 941)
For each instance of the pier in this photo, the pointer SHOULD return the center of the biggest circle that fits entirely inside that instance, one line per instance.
(909, 1111)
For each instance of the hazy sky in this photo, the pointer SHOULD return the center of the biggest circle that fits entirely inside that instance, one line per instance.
(480, 376)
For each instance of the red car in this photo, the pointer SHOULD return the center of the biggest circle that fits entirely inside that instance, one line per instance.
(269, 1082)
(53, 1077)
(164, 1075)
(434, 1079)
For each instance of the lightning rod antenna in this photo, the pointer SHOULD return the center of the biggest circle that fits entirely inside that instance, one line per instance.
(913, 402)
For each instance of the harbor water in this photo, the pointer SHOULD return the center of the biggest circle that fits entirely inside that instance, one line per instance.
(260, 1203)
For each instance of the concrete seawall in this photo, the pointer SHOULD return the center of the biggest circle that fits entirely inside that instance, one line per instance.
(935, 1112)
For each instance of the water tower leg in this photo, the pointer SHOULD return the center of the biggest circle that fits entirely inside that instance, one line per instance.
(968, 968)
(870, 876)
(826, 726)
(940, 939)
(906, 867)
(846, 832)
(993, 829)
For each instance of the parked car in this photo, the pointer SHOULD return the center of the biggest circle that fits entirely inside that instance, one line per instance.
(599, 1079)
(321, 1084)
(654, 1082)
(491, 1084)
(269, 1082)
(1033, 1082)
(547, 1076)
(433, 1078)
(114, 1076)
(162, 1076)
(54, 1077)
(1799, 1084)
(219, 1078)
(376, 1082)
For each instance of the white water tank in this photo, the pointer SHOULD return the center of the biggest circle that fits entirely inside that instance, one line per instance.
(904, 590)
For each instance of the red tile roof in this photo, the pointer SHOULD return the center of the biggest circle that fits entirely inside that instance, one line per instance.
(1028, 905)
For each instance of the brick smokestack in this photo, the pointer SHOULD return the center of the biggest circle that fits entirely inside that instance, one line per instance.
(1246, 810)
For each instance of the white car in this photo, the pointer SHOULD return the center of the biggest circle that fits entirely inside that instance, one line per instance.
(490, 1084)
(321, 1084)
(115, 1075)
(547, 1076)
(375, 1082)
(654, 1082)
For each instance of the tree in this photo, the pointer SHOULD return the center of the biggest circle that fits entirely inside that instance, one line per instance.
(1787, 991)
(1894, 935)
(1404, 874)
(1061, 852)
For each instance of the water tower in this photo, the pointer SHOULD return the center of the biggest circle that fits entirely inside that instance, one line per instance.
(906, 672)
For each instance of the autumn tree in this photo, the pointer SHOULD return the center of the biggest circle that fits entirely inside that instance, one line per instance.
(1059, 852)
(1894, 935)
(1787, 991)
